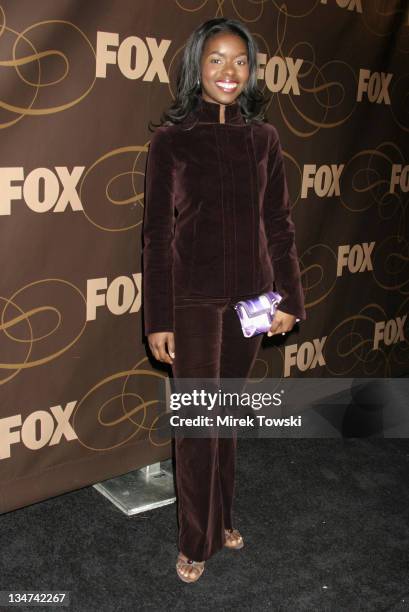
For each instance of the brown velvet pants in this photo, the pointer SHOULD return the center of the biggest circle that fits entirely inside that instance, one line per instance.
(209, 343)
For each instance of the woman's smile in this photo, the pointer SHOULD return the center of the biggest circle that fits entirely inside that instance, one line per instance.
(227, 86)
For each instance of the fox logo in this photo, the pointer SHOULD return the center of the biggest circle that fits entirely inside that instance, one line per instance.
(389, 332)
(149, 60)
(357, 258)
(42, 189)
(307, 356)
(324, 180)
(375, 85)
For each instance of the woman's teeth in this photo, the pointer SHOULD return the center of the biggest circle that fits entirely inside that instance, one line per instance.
(226, 85)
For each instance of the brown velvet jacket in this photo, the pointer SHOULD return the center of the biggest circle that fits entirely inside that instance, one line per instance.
(217, 217)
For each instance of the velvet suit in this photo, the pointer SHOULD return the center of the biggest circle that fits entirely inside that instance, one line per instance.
(217, 228)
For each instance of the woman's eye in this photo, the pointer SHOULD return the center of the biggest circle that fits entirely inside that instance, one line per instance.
(217, 59)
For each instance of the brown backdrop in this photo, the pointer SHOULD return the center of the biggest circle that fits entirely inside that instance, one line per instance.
(79, 83)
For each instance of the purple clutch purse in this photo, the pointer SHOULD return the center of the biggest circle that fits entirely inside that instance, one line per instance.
(256, 314)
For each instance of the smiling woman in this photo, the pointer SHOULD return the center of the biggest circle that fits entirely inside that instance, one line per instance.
(224, 68)
(217, 229)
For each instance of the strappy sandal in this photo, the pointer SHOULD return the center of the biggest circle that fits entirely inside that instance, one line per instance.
(234, 539)
(187, 564)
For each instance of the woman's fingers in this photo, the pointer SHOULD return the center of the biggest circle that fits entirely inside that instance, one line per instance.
(154, 350)
(282, 323)
(276, 328)
(163, 355)
(171, 345)
(161, 344)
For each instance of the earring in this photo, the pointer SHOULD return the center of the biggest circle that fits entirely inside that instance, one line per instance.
(198, 82)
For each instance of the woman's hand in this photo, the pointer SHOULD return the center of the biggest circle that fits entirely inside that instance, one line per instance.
(282, 323)
(157, 344)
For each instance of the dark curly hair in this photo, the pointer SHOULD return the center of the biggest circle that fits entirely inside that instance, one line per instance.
(251, 101)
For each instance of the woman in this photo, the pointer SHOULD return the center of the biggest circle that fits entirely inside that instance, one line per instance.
(217, 229)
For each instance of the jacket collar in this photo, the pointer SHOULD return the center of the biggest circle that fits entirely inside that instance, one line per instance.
(209, 112)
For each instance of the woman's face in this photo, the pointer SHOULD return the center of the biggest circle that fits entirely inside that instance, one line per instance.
(224, 68)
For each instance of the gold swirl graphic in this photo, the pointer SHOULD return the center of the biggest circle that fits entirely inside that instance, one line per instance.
(30, 58)
(111, 163)
(318, 266)
(259, 371)
(365, 183)
(352, 342)
(118, 412)
(194, 9)
(248, 4)
(259, 4)
(274, 366)
(25, 312)
(327, 91)
(296, 9)
(391, 264)
(385, 19)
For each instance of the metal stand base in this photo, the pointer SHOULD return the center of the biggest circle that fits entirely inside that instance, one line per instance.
(140, 490)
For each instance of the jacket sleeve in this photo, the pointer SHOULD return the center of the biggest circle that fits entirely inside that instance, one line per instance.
(280, 232)
(158, 224)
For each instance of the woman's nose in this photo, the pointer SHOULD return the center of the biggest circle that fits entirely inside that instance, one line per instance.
(228, 72)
